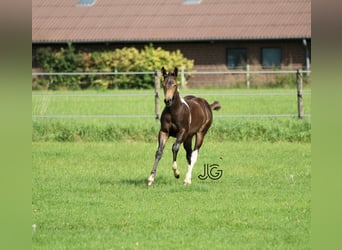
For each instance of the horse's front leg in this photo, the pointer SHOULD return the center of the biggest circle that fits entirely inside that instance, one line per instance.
(175, 148)
(162, 138)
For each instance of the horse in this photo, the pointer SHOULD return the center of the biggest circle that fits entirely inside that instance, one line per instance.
(182, 119)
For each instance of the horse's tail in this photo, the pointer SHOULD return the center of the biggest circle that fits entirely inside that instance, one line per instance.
(215, 105)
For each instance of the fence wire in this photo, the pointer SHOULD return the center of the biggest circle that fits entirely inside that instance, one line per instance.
(153, 94)
(137, 116)
(228, 72)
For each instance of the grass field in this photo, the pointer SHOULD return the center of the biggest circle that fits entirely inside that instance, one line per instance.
(249, 102)
(236, 101)
(89, 178)
(94, 196)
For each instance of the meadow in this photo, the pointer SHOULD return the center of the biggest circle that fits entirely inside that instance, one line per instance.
(98, 105)
(89, 187)
(141, 102)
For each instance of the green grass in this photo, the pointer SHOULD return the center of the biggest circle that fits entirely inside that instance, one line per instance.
(269, 129)
(233, 129)
(89, 186)
(93, 195)
(144, 105)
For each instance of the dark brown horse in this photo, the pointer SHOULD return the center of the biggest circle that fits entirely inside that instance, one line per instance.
(182, 119)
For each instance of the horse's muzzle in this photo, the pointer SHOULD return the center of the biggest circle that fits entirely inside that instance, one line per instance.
(168, 102)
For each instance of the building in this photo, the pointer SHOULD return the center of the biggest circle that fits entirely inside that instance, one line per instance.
(220, 35)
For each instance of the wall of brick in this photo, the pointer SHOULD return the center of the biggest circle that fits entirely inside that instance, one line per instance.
(212, 56)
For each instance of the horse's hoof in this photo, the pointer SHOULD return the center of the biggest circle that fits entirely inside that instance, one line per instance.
(150, 181)
(186, 182)
(177, 176)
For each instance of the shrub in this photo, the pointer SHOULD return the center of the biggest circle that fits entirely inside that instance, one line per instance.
(132, 60)
(285, 81)
(120, 60)
(64, 60)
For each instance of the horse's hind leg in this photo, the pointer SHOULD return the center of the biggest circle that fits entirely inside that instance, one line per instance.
(193, 157)
(188, 148)
(162, 138)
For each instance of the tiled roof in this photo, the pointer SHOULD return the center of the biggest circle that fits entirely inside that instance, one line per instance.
(169, 20)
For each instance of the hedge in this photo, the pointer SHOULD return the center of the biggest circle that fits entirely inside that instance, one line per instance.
(128, 59)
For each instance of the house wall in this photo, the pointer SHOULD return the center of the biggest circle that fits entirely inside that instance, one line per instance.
(212, 56)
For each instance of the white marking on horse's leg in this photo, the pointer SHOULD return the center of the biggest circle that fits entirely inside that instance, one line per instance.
(194, 156)
(175, 169)
(150, 180)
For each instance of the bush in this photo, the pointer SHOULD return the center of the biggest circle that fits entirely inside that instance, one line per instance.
(132, 60)
(285, 81)
(64, 60)
(120, 60)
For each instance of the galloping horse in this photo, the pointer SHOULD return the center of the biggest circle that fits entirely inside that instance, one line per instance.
(182, 119)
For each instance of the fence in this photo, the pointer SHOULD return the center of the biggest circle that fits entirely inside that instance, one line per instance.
(157, 93)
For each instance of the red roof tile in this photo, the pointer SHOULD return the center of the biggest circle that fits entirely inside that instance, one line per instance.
(160, 20)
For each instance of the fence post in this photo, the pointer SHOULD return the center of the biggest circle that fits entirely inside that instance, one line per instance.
(156, 94)
(182, 77)
(299, 79)
(247, 75)
(115, 81)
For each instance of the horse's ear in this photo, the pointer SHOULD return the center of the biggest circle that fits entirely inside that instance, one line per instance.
(163, 71)
(176, 72)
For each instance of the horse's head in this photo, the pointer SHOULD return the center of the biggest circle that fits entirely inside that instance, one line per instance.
(169, 85)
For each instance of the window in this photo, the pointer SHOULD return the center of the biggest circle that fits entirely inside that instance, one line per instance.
(237, 58)
(86, 3)
(270, 57)
(192, 1)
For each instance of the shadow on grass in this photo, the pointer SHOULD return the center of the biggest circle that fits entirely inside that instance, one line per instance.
(142, 182)
(173, 185)
(137, 182)
(127, 182)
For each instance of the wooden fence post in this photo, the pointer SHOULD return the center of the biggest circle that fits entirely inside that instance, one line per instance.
(156, 94)
(299, 78)
(247, 76)
(182, 77)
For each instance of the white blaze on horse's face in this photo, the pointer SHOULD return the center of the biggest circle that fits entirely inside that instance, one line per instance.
(170, 87)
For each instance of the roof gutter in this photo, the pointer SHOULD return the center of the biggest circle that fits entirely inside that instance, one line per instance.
(168, 40)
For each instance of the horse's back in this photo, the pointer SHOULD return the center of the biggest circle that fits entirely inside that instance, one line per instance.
(194, 101)
(201, 114)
